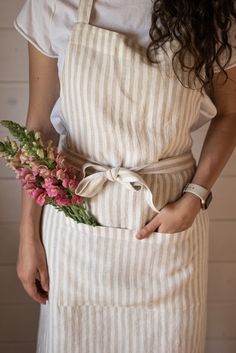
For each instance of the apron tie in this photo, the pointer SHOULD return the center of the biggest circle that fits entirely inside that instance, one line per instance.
(90, 185)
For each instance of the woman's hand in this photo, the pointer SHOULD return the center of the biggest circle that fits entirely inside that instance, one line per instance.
(173, 217)
(31, 263)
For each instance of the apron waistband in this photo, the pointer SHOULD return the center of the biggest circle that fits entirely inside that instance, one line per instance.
(92, 183)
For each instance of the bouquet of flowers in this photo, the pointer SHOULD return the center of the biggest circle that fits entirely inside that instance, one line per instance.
(44, 172)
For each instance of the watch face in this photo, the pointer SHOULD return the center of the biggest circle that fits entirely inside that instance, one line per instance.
(208, 200)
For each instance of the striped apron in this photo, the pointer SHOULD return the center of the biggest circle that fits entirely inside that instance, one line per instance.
(129, 121)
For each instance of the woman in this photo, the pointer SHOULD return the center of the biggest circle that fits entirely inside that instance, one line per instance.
(136, 283)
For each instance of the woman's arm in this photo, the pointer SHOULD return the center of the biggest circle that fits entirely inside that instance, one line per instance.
(218, 146)
(44, 91)
(220, 140)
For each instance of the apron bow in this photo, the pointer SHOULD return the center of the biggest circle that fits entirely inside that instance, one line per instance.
(90, 185)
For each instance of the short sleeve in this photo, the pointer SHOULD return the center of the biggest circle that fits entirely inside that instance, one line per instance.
(34, 23)
(223, 57)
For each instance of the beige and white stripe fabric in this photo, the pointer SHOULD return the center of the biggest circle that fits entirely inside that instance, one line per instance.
(130, 121)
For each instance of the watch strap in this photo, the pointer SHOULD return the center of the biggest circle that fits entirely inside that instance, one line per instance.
(198, 190)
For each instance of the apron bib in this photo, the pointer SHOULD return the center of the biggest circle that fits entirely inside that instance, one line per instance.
(110, 292)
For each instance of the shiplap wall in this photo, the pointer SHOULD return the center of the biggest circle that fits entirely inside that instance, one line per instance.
(18, 313)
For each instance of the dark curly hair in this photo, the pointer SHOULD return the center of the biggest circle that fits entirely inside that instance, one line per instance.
(200, 27)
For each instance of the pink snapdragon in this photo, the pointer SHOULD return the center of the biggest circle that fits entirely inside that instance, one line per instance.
(39, 195)
(39, 169)
(22, 172)
(63, 200)
(76, 199)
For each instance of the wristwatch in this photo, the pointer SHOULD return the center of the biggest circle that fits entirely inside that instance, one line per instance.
(204, 194)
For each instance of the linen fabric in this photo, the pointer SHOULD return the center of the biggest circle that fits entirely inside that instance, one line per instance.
(109, 291)
(47, 24)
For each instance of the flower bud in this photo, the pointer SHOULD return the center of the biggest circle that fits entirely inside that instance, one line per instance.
(37, 135)
(40, 153)
(14, 145)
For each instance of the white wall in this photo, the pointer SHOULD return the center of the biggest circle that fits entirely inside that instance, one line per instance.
(18, 313)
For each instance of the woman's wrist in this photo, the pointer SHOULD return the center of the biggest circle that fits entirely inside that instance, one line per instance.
(29, 229)
(191, 200)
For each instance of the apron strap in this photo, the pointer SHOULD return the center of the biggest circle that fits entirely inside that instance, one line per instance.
(84, 11)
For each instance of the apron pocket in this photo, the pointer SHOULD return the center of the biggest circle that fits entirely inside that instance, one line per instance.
(109, 267)
(122, 233)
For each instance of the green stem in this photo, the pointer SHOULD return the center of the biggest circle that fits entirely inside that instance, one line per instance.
(78, 212)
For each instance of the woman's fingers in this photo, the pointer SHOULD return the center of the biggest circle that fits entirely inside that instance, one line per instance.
(149, 228)
(32, 290)
(44, 279)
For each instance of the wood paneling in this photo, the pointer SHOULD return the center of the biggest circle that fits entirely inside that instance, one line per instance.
(18, 322)
(222, 241)
(19, 347)
(13, 57)
(13, 102)
(12, 292)
(221, 346)
(221, 322)
(9, 240)
(10, 196)
(8, 11)
(222, 282)
(223, 206)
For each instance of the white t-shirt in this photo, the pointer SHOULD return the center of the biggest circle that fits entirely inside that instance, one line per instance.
(47, 24)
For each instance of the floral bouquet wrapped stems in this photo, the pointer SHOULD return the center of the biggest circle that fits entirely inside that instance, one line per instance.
(44, 172)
